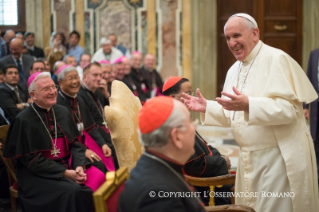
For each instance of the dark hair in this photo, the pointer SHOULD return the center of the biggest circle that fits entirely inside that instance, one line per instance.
(27, 34)
(1, 72)
(89, 66)
(5, 69)
(175, 89)
(74, 32)
(38, 61)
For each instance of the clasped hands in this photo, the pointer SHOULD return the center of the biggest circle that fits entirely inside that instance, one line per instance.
(76, 175)
(235, 102)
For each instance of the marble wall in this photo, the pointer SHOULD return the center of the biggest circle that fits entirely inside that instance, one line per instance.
(180, 33)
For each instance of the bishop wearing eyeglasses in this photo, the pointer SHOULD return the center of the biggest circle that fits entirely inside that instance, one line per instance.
(50, 160)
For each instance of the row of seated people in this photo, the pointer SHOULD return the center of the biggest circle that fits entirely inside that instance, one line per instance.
(45, 127)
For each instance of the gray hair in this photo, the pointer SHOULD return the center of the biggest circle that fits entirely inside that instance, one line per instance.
(105, 41)
(33, 86)
(161, 135)
(66, 57)
(249, 21)
(66, 70)
(56, 64)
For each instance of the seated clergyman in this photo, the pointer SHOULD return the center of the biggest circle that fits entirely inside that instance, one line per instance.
(168, 137)
(207, 161)
(50, 160)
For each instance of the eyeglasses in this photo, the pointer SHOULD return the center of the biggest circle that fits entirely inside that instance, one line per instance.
(191, 93)
(53, 87)
(73, 78)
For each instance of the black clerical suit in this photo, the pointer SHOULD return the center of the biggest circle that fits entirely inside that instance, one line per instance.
(207, 162)
(96, 110)
(36, 52)
(156, 174)
(142, 86)
(9, 99)
(83, 116)
(41, 186)
(153, 78)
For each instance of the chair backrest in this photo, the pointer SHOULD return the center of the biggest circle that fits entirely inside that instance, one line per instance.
(106, 197)
(122, 119)
(7, 161)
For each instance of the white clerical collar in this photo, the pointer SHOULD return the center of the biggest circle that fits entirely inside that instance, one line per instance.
(253, 53)
(43, 107)
(69, 95)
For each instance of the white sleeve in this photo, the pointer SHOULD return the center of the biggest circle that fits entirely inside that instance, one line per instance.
(270, 111)
(215, 115)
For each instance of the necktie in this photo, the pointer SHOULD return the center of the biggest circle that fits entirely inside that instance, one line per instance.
(17, 94)
(21, 74)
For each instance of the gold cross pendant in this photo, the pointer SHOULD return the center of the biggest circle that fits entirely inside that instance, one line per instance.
(55, 151)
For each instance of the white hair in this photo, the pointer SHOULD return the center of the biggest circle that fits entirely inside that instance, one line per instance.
(33, 86)
(66, 70)
(161, 135)
(249, 21)
(105, 41)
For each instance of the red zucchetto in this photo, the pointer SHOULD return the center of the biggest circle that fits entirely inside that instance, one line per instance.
(170, 82)
(154, 113)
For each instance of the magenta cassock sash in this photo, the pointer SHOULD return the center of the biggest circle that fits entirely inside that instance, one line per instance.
(95, 177)
(92, 145)
(105, 129)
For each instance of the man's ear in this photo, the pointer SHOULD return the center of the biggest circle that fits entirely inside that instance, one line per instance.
(32, 96)
(175, 137)
(172, 95)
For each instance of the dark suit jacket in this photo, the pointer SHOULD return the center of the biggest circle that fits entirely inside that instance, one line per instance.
(37, 52)
(9, 100)
(312, 73)
(27, 61)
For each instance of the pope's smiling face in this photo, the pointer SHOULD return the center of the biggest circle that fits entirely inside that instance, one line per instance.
(241, 39)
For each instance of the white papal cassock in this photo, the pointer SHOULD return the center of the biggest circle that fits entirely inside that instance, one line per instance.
(276, 149)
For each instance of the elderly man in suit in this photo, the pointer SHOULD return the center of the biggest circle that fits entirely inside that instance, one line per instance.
(312, 74)
(22, 61)
(14, 97)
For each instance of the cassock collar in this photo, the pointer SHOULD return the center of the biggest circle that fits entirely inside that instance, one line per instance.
(252, 54)
(39, 108)
(135, 70)
(68, 96)
(86, 88)
(174, 164)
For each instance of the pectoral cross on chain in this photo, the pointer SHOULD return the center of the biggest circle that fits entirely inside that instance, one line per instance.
(55, 152)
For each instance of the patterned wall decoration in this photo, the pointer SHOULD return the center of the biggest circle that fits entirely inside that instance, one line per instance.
(169, 37)
(116, 18)
(61, 18)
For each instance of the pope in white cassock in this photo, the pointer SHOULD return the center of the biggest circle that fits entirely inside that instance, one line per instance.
(262, 103)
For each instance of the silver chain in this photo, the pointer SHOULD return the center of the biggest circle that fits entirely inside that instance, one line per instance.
(239, 70)
(56, 134)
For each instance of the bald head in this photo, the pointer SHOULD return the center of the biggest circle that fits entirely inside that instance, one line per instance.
(149, 62)
(136, 60)
(9, 35)
(16, 47)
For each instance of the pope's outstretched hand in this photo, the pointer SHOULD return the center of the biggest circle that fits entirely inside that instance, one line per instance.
(193, 103)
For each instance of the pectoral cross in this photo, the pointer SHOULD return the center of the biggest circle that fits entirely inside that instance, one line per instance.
(55, 152)
(105, 124)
